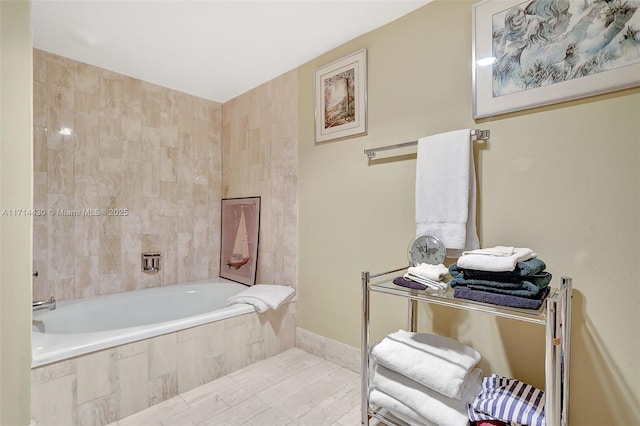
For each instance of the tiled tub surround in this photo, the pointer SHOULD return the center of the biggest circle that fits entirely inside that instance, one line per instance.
(159, 154)
(107, 385)
(137, 146)
(260, 157)
(90, 324)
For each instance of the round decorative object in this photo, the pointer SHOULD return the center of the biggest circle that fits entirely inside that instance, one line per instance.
(426, 249)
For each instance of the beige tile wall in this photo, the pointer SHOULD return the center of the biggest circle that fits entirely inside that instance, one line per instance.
(136, 146)
(104, 386)
(260, 157)
(156, 153)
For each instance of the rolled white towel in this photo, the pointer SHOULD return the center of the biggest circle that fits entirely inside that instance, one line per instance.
(427, 403)
(263, 296)
(437, 362)
(492, 263)
(432, 272)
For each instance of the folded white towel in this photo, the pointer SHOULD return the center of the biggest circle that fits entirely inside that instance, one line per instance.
(436, 285)
(397, 409)
(260, 305)
(263, 296)
(437, 362)
(432, 272)
(492, 251)
(482, 262)
(446, 190)
(427, 403)
(394, 415)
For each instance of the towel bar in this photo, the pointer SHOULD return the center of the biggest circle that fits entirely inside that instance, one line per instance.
(480, 135)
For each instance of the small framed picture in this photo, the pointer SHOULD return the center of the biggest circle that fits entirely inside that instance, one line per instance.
(533, 53)
(341, 98)
(240, 237)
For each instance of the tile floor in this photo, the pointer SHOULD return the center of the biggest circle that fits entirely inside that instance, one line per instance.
(293, 388)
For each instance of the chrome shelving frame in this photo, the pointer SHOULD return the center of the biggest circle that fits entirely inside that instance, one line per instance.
(554, 314)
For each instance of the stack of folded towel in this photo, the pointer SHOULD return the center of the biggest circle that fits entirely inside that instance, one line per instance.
(501, 275)
(425, 379)
(424, 276)
(508, 400)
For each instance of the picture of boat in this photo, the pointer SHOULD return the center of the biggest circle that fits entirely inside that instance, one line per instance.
(239, 239)
(240, 254)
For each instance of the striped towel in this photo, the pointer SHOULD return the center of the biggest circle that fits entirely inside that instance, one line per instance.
(508, 400)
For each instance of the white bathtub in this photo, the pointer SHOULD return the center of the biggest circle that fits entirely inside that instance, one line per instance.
(87, 325)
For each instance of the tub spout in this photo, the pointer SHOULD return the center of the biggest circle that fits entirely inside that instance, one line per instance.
(44, 304)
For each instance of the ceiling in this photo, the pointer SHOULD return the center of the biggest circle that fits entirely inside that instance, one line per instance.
(212, 49)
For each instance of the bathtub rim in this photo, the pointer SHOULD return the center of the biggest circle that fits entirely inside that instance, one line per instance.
(76, 344)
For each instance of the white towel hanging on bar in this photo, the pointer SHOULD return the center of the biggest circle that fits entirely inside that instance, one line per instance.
(446, 191)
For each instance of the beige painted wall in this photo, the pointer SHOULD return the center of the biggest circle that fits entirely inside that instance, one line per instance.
(136, 146)
(563, 180)
(260, 140)
(15, 193)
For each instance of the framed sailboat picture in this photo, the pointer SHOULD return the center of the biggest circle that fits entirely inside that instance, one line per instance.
(240, 235)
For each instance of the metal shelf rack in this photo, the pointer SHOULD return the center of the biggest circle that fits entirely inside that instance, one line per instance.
(554, 314)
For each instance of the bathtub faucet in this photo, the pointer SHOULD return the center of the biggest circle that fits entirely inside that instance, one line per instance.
(44, 304)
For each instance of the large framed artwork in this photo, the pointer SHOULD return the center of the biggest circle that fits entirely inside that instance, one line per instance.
(240, 236)
(538, 52)
(341, 98)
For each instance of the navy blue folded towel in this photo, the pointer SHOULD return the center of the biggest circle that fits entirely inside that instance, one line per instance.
(502, 299)
(523, 269)
(408, 283)
(525, 287)
(526, 280)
